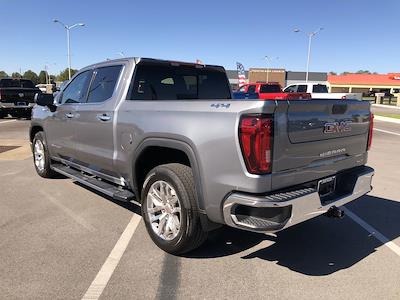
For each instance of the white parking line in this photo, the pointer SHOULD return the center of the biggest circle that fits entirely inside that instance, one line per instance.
(379, 236)
(7, 121)
(386, 131)
(100, 282)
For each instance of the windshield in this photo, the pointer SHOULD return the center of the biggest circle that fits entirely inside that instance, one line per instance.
(162, 81)
(16, 83)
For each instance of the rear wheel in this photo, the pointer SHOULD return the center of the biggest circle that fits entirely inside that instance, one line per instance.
(169, 209)
(41, 156)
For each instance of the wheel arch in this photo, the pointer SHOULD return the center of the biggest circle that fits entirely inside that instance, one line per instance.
(171, 149)
(33, 130)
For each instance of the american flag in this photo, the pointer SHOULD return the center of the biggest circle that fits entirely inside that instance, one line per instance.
(241, 74)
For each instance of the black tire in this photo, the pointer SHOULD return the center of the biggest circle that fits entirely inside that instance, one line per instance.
(46, 171)
(191, 234)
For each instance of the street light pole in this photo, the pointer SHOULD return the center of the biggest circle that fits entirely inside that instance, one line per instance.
(68, 29)
(310, 36)
(268, 60)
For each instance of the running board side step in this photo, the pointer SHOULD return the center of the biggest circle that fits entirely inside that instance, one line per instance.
(102, 186)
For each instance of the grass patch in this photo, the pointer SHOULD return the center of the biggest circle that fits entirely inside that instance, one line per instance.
(395, 116)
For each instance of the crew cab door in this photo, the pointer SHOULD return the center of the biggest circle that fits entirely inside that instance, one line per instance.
(61, 127)
(95, 117)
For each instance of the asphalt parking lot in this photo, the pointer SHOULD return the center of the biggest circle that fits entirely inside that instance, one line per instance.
(56, 235)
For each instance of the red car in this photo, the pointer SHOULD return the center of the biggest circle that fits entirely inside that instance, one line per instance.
(271, 91)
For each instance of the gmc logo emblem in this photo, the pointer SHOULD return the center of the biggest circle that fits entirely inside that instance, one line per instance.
(337, 127)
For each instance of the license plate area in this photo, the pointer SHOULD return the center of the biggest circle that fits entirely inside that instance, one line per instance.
(22, 103)
(326, 186)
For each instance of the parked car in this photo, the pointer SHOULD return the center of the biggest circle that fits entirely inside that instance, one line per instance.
(319, 91)
(169, 137)
(268, 91)
(17, 97)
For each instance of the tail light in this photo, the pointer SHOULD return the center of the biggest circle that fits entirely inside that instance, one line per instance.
(371, 130)
(255, 135)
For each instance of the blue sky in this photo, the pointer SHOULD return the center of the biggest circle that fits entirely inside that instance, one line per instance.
(357, 34)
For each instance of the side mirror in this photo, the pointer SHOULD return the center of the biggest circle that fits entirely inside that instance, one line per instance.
(44, 99)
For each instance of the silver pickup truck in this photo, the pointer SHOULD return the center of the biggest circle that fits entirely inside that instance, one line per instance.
(168, 136)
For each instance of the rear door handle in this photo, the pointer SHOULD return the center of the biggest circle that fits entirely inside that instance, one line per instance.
(104, 117)
(69, 115)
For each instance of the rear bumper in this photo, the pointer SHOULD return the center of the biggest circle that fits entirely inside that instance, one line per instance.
(274, 212)
(12, 107)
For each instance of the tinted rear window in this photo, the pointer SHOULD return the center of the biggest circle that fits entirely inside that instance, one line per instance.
(270, 88)
(153, 81)
(16, 83)
(320, 88)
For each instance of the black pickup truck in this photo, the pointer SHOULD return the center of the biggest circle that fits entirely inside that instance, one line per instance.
(17, 97)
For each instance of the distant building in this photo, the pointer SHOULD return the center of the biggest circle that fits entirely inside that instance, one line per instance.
(313, 77)
(364, 83)
(275, 75)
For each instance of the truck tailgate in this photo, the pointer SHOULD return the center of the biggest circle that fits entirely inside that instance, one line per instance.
(318, 138)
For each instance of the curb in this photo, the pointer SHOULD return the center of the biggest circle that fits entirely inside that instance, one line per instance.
(385, 106)
(386, 119)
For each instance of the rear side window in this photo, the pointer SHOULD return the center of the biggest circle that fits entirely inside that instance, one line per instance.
(251, 89)
(162, 81)
(103, 84)
(76, 90)
(270, 88)
(320, 88)
(302, 89)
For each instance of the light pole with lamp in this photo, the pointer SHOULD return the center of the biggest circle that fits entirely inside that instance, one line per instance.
(68, 28)
(268, 59)
(310, 36)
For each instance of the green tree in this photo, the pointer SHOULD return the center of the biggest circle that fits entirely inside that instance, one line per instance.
(363, 72)
(31, 76)
(42, 77)
(16, 75)
(332, 73)
(3, 74)
(64, 74)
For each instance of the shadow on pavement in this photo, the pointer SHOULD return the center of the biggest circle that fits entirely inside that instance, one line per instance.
(317, 247)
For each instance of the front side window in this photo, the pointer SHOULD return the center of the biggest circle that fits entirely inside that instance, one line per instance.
(76, 91)
(103, 84)
(291, 89)
(162, 81)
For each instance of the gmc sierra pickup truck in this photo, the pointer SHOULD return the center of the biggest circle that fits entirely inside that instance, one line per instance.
(168, 136)
(16, 97)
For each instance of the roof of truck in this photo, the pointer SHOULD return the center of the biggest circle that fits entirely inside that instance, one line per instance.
(137, 59)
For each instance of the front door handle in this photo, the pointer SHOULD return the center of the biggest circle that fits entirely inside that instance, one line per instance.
(104, 117)
(69, 115)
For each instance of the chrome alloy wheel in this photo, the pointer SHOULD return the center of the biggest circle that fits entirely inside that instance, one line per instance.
(39, 155)
(164, 210)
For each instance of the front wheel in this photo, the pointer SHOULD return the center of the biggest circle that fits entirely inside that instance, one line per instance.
(41, 157)
(169, 209)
